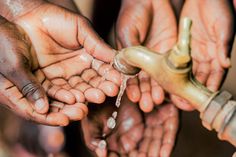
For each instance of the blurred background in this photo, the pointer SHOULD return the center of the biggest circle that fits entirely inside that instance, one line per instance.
(20, 138)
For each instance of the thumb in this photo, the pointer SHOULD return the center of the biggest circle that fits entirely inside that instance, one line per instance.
(224, 29)
(222, 54)
(30, 88)
(92, 43)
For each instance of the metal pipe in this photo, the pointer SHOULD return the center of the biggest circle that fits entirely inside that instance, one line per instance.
(173, 72)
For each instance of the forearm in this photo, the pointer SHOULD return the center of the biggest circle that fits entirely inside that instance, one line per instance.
(10, 9)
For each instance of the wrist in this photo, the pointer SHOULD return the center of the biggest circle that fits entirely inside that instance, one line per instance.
(11, 9)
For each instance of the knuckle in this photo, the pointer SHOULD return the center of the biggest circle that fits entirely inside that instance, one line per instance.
(29, 89)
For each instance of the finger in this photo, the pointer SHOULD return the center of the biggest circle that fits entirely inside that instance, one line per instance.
(158, 132)
(144, 145)
(94, 95)
(13, 98)
(58, 93)
(136, 133)
(101, 149)
(79, 96)
(88, 74)
(75, 112)
(127, 36)
(129, 140)
(133, 153)
(181, 103)
(224, 37)
(74, 80)
(29, 87)
(91, 94)
(223, 51)
(91, 77)
(132, 90)
(118, 44)
(139, 14)
(54, 90)
(146, 103)
(171, 128)
(109, 73)
(112, 154)
(154, 149)
(53, 119)
(127, 143)
(22, 107)
(157, 93)
(215, 77)
(93, 44)
(109, 88)
(202, 72)
(141, 154)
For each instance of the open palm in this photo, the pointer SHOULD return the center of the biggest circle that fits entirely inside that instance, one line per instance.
(71, 58)
(150, 23)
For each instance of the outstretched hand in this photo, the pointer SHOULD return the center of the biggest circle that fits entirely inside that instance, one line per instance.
(70, 61)
(154, 135)
(19, 88)
(211, 34)
(150, 23)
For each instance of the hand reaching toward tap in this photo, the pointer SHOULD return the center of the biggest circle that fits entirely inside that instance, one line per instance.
(69, 60)
(211, 38)
(152, 136)
(150, 23)
(211, 34)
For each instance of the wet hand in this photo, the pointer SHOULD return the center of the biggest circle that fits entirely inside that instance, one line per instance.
(161, 126)
(211, 38)
(146, 23)
(152, 136)
(73, 61)
(20, 89)
(123, 139)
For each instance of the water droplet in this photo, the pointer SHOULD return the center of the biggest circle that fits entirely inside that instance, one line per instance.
(102, 144)
(111, 123)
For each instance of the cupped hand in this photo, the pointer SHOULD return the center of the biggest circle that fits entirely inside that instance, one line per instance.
(73, 61)
(161, 126)
(19, 88)
(153, 135)
(125, 136)
(150, 23)
(211, 35)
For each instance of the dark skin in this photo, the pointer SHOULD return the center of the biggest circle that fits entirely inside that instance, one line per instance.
(152, 23)
(15, 42)
(211, 41)
(152, 135)
(46, 65)
(145, 23)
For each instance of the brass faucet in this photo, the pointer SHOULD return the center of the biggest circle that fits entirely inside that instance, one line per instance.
(173, 71)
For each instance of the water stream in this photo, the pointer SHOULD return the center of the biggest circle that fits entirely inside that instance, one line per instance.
(111, 122)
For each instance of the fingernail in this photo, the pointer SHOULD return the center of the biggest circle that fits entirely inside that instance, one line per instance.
(39, 104)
